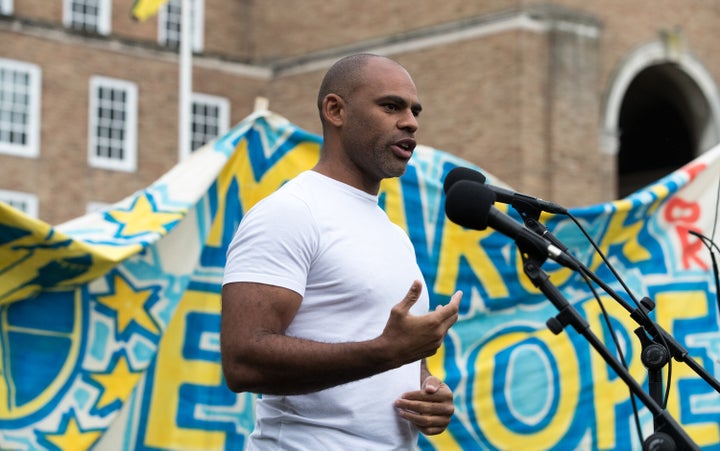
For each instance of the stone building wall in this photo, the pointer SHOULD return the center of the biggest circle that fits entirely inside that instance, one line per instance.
(519, 88)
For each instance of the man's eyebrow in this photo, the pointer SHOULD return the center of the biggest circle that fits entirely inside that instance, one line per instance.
(416, 106)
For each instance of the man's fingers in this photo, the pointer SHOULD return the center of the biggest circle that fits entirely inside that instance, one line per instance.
(456, 298)
(415, 399)
(430, 423)
(449, 312)
(411, 297)
(454, 303)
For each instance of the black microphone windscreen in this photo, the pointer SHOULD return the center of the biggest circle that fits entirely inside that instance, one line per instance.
(461, 173)
(468, 204)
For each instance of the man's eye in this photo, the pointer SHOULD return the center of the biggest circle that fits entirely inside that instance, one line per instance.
(391, 106)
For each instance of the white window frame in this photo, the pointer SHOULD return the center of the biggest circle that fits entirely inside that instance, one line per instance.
(29, 201)
(31, 148)
(128, 162)
(6, 7)
(223, 119)
(198, 23)
(104, 19)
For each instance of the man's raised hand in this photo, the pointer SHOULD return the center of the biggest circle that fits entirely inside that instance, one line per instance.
(411, 337)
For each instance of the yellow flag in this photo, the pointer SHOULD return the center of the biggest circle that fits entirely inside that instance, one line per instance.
(143, 9)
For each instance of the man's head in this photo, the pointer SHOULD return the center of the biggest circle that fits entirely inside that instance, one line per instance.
(368, 107)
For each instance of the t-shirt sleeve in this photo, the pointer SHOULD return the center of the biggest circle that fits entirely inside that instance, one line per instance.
(274, 244)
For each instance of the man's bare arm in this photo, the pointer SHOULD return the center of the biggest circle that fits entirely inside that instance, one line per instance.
(257, 356)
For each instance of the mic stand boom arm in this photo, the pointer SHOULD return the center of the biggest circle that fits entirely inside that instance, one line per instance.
(654, 330)
(568, 315)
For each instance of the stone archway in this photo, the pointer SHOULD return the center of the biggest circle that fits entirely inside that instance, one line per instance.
(662, 111)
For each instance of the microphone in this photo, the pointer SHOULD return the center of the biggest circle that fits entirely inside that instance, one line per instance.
(460, 173)
(502, 195)
(470, 205)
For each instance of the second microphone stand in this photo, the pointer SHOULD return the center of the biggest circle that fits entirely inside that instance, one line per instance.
(668, 434)
(568, 315)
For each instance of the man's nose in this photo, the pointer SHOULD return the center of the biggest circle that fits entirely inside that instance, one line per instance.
(408, 121)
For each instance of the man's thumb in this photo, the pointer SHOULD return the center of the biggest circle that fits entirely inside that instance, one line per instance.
(431, 384)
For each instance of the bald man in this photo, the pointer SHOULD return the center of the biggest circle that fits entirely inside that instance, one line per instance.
(324, 308)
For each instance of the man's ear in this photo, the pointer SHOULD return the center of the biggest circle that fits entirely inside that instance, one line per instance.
(333, 109)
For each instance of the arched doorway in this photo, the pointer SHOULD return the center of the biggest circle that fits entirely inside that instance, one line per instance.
(661, 111)
(656, 123)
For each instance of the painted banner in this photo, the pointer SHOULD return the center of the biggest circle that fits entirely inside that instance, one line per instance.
(109, 326)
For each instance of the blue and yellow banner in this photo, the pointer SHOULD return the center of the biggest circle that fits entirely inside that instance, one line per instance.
(109, 327)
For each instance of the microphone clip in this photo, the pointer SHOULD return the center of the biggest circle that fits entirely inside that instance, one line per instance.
(526, 206)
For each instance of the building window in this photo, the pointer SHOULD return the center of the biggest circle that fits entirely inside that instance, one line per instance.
(170, 19)
(19, 108)
(6, 7)
(25, 202)
(112, 140)
(92, 16)
(209, 119)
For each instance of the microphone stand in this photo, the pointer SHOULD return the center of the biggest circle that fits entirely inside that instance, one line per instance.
(654, 355)
(568, 315)
(640, 315)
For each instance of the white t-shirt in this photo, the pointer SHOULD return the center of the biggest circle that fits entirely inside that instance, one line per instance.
(335, 246)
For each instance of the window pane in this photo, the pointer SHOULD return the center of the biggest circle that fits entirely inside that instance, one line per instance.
(85, 15)
(25, 202)
(113, 104)
(173, 20)
(15, 106)
(92, 16)
(170, 24)
(208, 120)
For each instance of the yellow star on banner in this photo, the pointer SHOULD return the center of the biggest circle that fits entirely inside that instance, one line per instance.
(116, 385)
(72, 437)
(129, 304)
(143, 218)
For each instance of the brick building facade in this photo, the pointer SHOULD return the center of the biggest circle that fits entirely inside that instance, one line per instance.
(535, 93)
